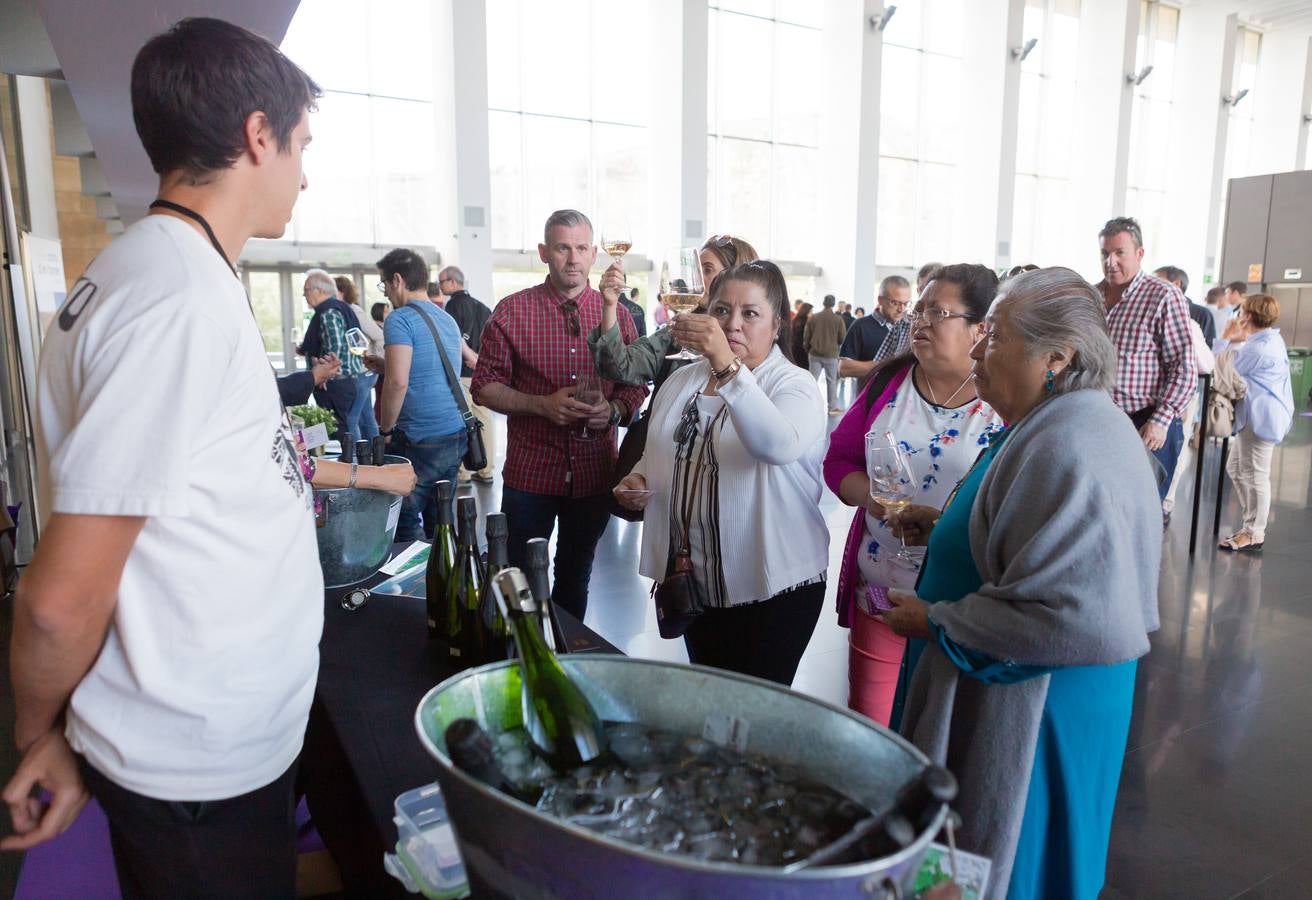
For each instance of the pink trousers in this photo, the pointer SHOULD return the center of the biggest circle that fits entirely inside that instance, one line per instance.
(874, 659)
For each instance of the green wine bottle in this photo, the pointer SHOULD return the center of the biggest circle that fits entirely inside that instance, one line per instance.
(538, 560)
(441, 558)
(464, 644)
(498, 642)
(562, 725)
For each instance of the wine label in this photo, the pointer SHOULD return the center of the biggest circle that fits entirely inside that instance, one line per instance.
(394, 516)
(726, 730)
(314, 436)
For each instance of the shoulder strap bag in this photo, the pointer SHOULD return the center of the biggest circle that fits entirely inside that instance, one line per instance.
(475, 452)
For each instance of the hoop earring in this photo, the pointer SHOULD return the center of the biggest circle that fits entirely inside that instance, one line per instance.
(1047, 385)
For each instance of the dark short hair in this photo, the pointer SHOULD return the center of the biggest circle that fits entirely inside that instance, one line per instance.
(633, 292)
(1239, 287)
(1215, 293)
(861, 310)
(1121, 224)
(828, 301)
(434, 289)
(897, 281)
(194, 86)
(925, 270)
(1175, 273)
(377, 311)
(765, 275)
(978, 284)
(406, 263)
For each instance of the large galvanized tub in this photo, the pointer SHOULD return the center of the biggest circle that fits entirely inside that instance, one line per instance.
(512, 850)
(354, 529)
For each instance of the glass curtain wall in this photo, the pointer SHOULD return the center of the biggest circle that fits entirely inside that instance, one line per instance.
(1042, 231)
(1152, 140)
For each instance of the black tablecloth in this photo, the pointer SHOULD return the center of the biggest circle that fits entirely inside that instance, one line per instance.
(375, 664)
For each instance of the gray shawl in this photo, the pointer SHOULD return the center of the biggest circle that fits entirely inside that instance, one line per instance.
(1066, 534)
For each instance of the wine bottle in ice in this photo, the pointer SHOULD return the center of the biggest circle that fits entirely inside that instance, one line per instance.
(539, 583)
(441, 558)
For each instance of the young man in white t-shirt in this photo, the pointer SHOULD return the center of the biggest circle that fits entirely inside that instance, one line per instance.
(166, 634)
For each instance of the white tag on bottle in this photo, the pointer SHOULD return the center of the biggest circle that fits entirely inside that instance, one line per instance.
(393, 516)
(314, 436)
(726, 730)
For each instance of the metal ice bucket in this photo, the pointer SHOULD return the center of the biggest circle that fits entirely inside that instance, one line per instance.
(355, 529)
(512, 850)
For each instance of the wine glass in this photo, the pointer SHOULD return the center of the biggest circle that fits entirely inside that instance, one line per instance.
(356, 342)
(892, 484)
(616, 238)
(587, 389)
(682, 288)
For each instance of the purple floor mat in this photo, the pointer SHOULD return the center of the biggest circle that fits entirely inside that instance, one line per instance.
(79, 863)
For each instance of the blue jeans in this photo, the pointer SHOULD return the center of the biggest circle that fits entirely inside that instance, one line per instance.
(435, 459)
(360, 420)
(582, 522)
(1169, 453)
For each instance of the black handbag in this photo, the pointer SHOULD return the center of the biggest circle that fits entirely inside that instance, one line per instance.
(475, 453)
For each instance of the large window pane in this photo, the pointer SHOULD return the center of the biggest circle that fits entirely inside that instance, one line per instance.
(556, 54)
(895, 228)
(394, 72)
(621, 161)
(796, 197)
(941, 122)
(338, 207)
(556, 172)
(1023, 223)
(899, 109)
(743, 58)
(1027, 123)
(936, 208)
(506, 156)
(503, 56)
(620, 83)
(946, 21)
(797, 84)
(313, 41)
(266, 301)
(742, 202)
(405, 181)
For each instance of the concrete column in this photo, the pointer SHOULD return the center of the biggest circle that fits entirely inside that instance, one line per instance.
(1305, 112)
(1010, 124)
(1121, 173)
(34, 125)
(1213, 237)
(867, 156)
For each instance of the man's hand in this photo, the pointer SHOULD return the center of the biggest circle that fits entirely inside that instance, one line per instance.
(599, 417)
(325, 367)
(702, 334)
(561, 408)
(909, 616)
(48, 763)
(375, 363)
(612, 282)
(1154, 435)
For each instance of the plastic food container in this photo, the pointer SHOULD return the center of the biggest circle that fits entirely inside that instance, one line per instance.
(427, 859)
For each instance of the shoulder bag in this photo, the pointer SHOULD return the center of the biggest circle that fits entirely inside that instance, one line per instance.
(475, 452)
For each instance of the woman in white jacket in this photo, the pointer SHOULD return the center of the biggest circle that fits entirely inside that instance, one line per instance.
(1262, 418)
(735, 447)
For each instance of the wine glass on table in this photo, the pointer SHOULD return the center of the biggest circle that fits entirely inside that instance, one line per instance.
(892, 484)
(356, 342)
(682, 288)
(587, 389)
(616, 239)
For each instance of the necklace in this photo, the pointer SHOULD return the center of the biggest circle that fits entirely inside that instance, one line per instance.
(934, 400)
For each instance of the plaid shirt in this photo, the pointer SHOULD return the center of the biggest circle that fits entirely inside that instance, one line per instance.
(534, 345)
(332, 326)
(1154, 351)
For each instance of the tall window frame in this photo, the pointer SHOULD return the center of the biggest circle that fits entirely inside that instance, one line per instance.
(1152, 140)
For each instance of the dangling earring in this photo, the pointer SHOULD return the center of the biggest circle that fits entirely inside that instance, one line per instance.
(1047, 385)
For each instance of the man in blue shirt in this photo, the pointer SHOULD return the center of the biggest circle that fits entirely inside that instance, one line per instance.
(419, 413)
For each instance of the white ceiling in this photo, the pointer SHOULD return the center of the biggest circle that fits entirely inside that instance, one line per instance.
(1269, 15)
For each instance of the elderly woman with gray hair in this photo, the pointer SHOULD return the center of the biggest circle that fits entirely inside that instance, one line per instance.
(1037, 596)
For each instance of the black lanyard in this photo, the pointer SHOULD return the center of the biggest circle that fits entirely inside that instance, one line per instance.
(200, 220)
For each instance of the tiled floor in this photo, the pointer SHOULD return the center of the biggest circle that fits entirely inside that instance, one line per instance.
(1214, 800)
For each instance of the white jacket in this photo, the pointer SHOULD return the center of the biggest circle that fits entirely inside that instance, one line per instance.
(770, 451)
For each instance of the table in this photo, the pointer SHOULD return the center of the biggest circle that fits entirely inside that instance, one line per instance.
(375, 664)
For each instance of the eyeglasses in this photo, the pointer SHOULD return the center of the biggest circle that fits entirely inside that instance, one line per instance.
(571, 310)
(934, 315)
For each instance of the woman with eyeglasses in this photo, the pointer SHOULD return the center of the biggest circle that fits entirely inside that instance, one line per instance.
(644, 360)
(926, 399)
(730, 480)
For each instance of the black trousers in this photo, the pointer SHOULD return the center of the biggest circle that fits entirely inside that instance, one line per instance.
(765, 639)
(240, 847)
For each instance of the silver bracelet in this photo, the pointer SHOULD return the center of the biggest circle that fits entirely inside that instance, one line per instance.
(355, 472)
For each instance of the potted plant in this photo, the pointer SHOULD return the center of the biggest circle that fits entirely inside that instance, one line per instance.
(308, 416)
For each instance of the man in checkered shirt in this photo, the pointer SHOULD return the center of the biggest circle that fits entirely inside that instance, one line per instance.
(534, 348)
(1148, 320)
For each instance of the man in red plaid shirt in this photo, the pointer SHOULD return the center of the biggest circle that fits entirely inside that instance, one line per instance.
(560, 451)
(1148, 320)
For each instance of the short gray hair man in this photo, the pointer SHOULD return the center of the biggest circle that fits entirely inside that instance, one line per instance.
(569, 218)
(1055, 309)
(321, 281)
(451, 273)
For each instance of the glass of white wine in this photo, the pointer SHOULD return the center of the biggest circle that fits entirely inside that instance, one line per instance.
(682, 288)
(616, 238)
(892, 484)
(588, 389)
(356, 342)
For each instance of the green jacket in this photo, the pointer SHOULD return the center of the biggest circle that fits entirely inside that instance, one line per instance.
(636, 363)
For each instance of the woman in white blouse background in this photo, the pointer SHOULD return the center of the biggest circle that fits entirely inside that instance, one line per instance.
(739, 437)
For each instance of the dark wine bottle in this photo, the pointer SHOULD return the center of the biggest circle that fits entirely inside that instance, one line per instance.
(470, 750)
(498, 642)
(348, 447)
(441, 559)
(464, 637)
(379, 447)
(562, 726)
(363, 454)
(538, 561)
